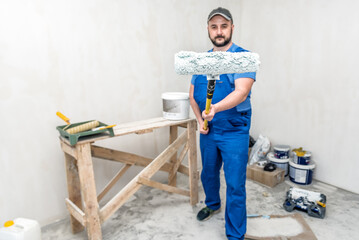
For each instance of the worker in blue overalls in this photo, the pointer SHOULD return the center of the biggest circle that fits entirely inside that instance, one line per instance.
(226, 139)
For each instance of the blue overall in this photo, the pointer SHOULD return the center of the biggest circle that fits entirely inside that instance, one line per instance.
(226, 142)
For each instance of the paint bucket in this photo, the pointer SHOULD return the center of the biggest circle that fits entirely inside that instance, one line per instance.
(281, 151)
(302, 160)
(21, 229)
(280, 163)
(301, 174)
(175, 105)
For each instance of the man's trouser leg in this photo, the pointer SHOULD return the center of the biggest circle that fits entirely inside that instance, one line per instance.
(234, 150)
(210, 176)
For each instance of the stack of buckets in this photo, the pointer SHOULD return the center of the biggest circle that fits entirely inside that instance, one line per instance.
(280, 157)
(300, 166)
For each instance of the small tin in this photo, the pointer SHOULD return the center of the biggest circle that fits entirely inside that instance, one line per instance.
(281, 151)
(302, 160)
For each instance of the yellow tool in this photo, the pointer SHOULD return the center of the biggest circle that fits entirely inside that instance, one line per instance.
(210, 90)
(321, 204)
(63, 117)
(103, 127)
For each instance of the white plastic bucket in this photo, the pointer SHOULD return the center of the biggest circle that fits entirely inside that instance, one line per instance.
(175, 105)
(301, 174)
(280, 163)
(302, 160)
(281, 151)
(22, 229)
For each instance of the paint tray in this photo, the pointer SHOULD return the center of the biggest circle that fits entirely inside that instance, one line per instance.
(74, 138)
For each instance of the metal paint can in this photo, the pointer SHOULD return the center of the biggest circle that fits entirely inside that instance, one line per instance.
(302, 160)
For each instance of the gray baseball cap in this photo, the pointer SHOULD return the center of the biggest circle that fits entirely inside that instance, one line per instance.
(220, 11)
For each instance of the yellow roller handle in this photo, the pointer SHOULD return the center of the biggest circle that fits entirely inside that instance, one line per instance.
(208, 106)
(102, 128)
(83, 127)
(63, 117)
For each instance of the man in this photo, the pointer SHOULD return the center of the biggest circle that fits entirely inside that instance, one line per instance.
(226, 138)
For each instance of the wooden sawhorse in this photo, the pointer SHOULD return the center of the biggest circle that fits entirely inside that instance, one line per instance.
(83, 201)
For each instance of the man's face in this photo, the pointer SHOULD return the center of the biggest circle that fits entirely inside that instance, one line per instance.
(220, 31)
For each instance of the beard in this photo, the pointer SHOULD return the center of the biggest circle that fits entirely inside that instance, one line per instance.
(224, 43)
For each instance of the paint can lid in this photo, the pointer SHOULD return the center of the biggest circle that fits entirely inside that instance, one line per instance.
(306, 154)
(272, 158)
(304, 167)
(175, 96)
(281, 148)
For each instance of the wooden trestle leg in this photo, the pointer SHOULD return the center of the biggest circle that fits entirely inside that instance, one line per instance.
(88, 191)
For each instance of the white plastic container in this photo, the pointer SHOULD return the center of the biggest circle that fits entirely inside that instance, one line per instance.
(175, 105)
(22, 229)
(281, 163)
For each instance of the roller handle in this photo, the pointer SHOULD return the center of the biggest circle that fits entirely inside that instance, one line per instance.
(63, 117)
(210, 90)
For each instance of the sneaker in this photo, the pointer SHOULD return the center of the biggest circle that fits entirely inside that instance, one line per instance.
(206, 213)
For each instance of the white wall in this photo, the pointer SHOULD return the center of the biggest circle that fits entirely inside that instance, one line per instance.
(111, 60)
(307, 89)
(105, 60)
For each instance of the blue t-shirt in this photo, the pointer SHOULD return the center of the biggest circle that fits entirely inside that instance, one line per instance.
(246, 104)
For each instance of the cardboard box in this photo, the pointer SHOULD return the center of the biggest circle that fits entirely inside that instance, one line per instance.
(270, 179)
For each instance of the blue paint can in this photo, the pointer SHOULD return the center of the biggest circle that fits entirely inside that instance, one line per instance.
(301, 174)
(302, 160)
(281, 151)
(280, 163)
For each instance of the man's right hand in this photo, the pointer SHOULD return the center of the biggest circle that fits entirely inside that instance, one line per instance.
(201, 126)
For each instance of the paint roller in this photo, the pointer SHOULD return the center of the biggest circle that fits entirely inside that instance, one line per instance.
(83, 127)
(213, 64)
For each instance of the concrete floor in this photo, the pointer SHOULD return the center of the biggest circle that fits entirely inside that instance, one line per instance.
(154, 214)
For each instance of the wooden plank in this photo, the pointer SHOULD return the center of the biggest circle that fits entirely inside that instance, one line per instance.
(138, 126)
(88, 191)
(172, 176)
(127, 128)
(144, 131)
(183, 125)
(161, 186)
(129, 158)
(68, 149)
(113, 181)
(117, 201)
(75, 211)
(74, 190)
(192, 162)
(119, 156)
(156, 164)
(173, 173)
